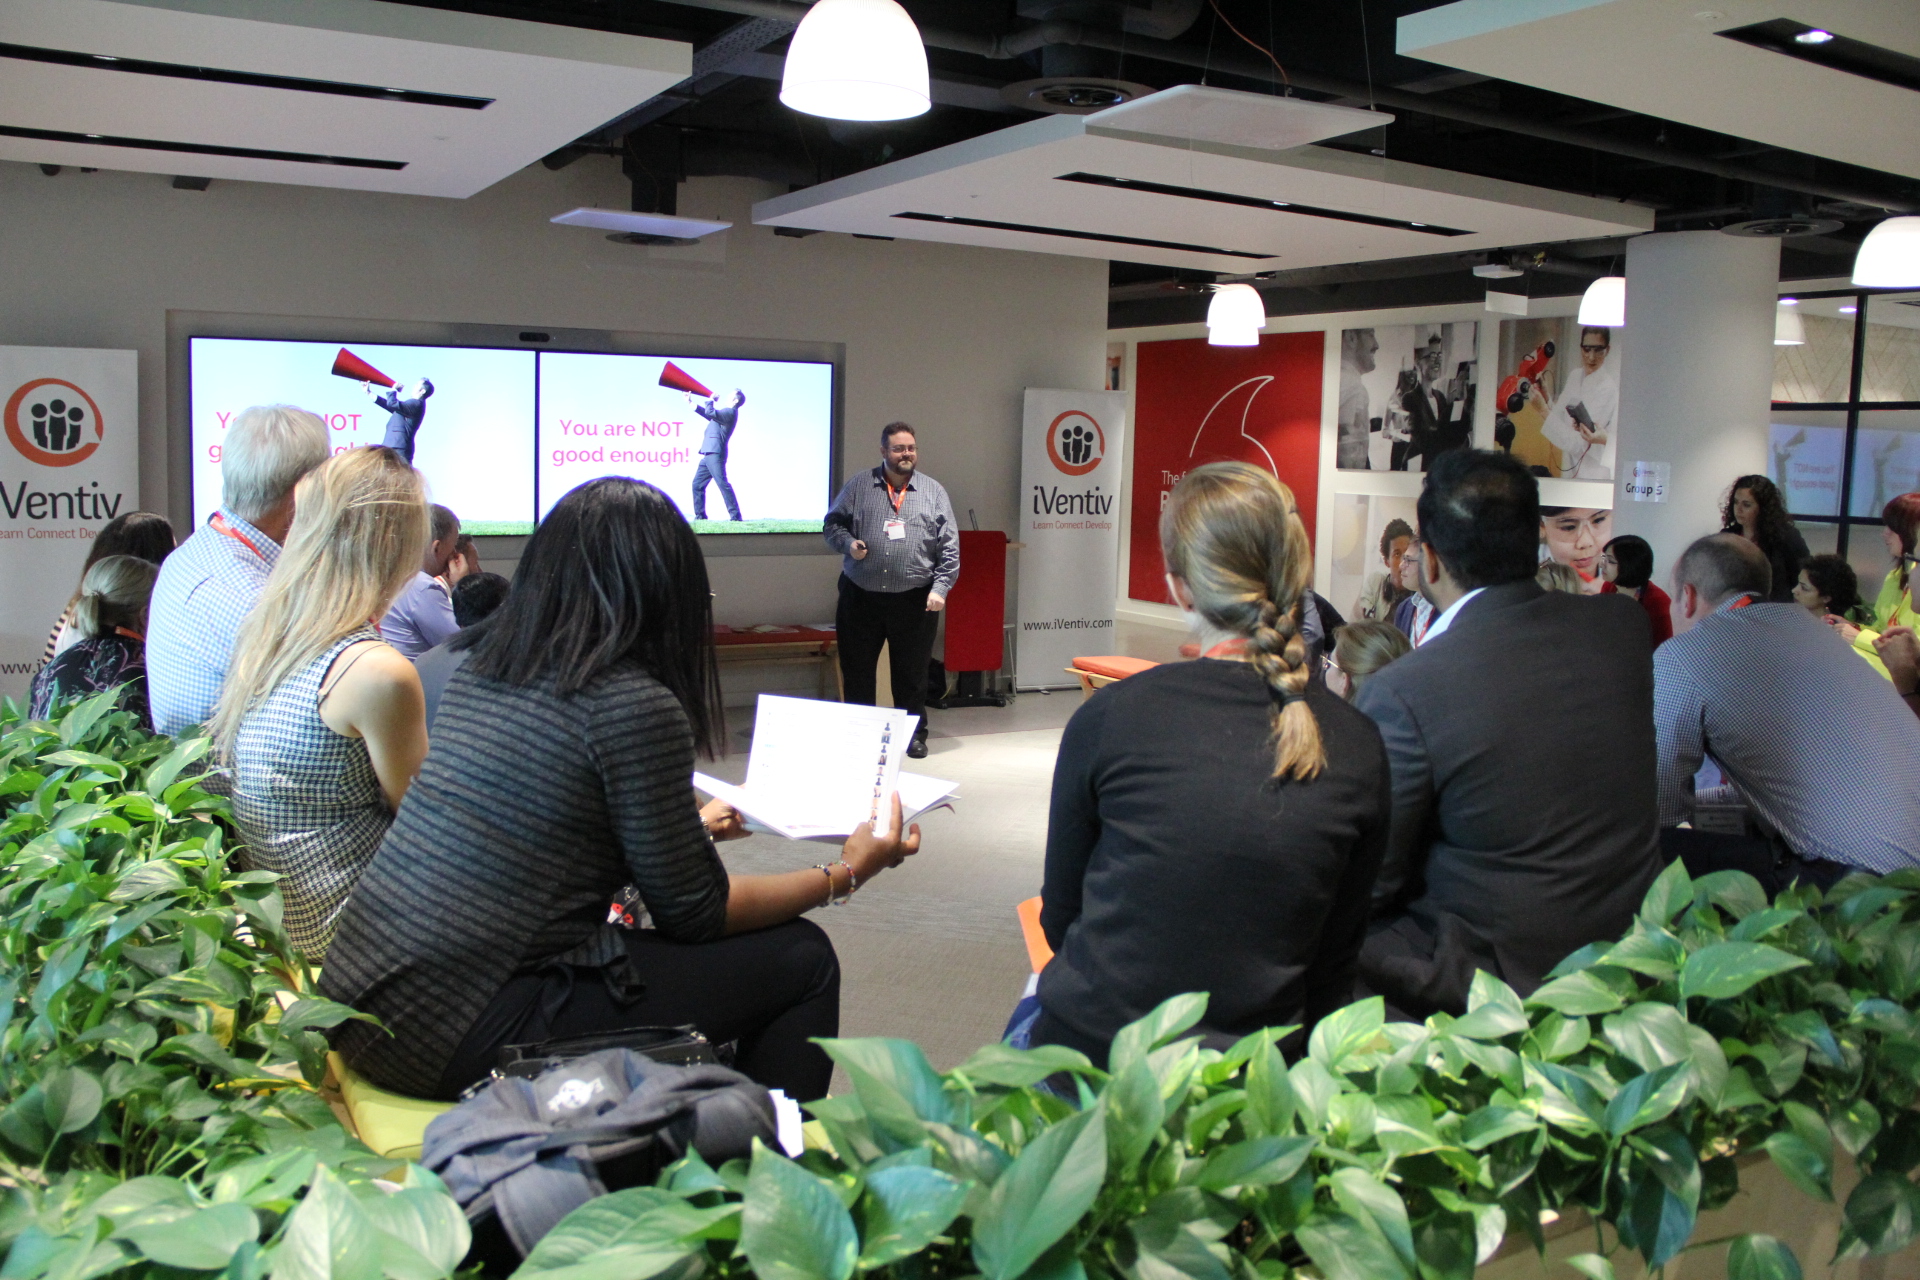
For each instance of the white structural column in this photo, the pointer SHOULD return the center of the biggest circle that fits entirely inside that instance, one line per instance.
(1696, 386)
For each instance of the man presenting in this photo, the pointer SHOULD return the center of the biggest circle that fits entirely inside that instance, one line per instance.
(895, 530)
(407, 413)
(713, 453)
(1523, 802)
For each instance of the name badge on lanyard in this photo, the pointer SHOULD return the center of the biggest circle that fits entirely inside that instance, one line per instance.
(896, 531)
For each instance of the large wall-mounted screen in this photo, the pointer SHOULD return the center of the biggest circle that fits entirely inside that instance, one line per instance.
(502, 434)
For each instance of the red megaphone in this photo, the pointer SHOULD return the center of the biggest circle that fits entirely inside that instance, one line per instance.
(677, 378)
(349, 365)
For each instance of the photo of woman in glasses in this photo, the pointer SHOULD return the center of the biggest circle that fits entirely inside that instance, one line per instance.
(1558, 401)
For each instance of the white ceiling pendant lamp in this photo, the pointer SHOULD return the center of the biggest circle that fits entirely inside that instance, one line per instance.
(1889, 257)
(1236, 316)
(1604, 305)
(1788, 329)
(857, 60)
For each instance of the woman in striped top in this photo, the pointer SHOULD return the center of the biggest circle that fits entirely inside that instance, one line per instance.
(561, 773)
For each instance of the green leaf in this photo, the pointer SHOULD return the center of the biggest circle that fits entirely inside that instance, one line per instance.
(1669, 895)
(1881, 1212)
(1810, 1126)
(1346, 1031)
(895, 1083)
(427, 1222)
(62, 967)
(1856, 1124)
(621, 1236)
(1757, 1257)
(1649, 1035)
(1487, 1125)
(185, 751)
(1137, 1039)
(1345, 1248)
(1314, 1089)
(1134, 1113)
(319, 1014)
(1804, 1167)
(1010, 1068)
(1761, 923)
(148, 879)
(1577, 995)
(327, 1237)
(1592, 1266)
(1649, 950)
(795, 1227)
(1489, 1022)
(1735, 892)
(1257, 1162)
(1567, 1100)
(71, 1098)
(197, 1240)
(1445, 1245)
(1270, 1098)
(1371, 1201)
(1664, 1195)
(1043, 1194)
(1646, 1099)
(1725, 969)
(904, 1208)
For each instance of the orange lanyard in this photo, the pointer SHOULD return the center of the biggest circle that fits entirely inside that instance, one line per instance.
(1227, 648)
(898, 498)
(1741, 603)
(130, 634)
(220, 526)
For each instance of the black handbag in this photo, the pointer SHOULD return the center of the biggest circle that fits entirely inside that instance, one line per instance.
(675, 1046)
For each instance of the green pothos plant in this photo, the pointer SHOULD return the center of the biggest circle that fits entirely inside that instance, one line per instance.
(158, 1103)
(1627, 1086)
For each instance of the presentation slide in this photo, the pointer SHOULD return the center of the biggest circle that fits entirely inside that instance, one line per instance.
(743, 446)
(472, 436)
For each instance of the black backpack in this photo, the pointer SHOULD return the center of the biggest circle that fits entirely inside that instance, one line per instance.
(523, 1153)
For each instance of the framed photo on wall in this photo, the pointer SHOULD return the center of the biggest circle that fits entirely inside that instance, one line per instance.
(1406, 394)
(1557, 404)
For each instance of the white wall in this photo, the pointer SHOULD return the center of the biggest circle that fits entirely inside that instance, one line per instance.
(946, 337)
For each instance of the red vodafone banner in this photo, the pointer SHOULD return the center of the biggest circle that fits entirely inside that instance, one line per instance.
(69, 464)
(1070, 522)
(1196, 403)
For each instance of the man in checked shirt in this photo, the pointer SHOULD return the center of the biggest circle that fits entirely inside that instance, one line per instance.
(900, 549)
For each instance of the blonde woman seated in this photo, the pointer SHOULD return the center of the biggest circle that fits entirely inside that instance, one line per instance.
(108, 623)
(323, 723)
(1216, 824)
(1359, 650)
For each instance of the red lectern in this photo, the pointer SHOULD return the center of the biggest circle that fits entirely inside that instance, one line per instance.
(977, 616)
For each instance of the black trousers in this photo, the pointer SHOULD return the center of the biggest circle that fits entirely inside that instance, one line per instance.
(713, 466)
(1704, 852)
(769, 992)
(898, 619)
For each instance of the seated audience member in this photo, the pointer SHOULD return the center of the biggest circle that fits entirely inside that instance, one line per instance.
(207, 587)
(1216, 824)
(1627, 566)
(1383, 590)
(1554, 576)
(1820, 747)
(1829, 586)
(1523, 799)
(422, 616)
(110, 618)
(1899, 650)
(475, 597)
(321, 721)
(1755, 511)
(1413, 615)
(1359, 650)
(1894, 607)
(467, 554)
(561, 773)
(137, 533)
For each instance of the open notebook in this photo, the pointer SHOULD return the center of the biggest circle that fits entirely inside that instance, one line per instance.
(817, 770)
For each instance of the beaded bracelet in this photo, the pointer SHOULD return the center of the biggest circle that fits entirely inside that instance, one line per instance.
(853, 882)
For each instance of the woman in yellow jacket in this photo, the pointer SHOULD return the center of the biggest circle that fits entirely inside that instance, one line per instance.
(1894, 607)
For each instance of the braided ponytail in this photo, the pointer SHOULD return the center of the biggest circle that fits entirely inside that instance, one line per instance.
(1232, 533)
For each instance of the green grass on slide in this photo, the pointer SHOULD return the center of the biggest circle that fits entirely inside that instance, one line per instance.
(756, 526)
(497, 528)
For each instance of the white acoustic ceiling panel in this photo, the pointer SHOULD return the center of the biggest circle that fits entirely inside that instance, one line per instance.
(1109, 186)
(333, 93)
(1670, 59)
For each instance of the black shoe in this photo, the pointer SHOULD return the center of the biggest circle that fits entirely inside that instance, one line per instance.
(917, 749)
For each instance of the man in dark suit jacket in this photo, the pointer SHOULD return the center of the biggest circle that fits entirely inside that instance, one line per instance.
(1521, 740)
(713, 454)
(405, 414)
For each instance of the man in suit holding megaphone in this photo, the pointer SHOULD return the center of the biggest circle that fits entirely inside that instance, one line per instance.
(406, 414)
(713, 452)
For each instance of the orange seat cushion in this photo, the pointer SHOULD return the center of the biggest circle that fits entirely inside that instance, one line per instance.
(1113, 665)
(1038, 952)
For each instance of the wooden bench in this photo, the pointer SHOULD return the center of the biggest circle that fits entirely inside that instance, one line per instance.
(782, 644)
(1097, 673)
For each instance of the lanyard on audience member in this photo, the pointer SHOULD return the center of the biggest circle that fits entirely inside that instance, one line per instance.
(1742, 602)
(130, 634)
(220, 526)
(1233, 648)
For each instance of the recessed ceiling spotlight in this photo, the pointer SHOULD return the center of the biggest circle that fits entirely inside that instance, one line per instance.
(1813, 36)
(1789, 302)
(1847, 311)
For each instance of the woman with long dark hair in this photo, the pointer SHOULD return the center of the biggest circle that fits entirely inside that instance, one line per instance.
(560, 772)
(1894, 607)
(1217, 825)
(1828, 586)
(1755, 510)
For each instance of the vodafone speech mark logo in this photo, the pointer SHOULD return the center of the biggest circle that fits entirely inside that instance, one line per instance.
(53, 422)
(1075, 443)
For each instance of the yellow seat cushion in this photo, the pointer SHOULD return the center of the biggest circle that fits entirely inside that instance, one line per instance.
(391, 1124)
